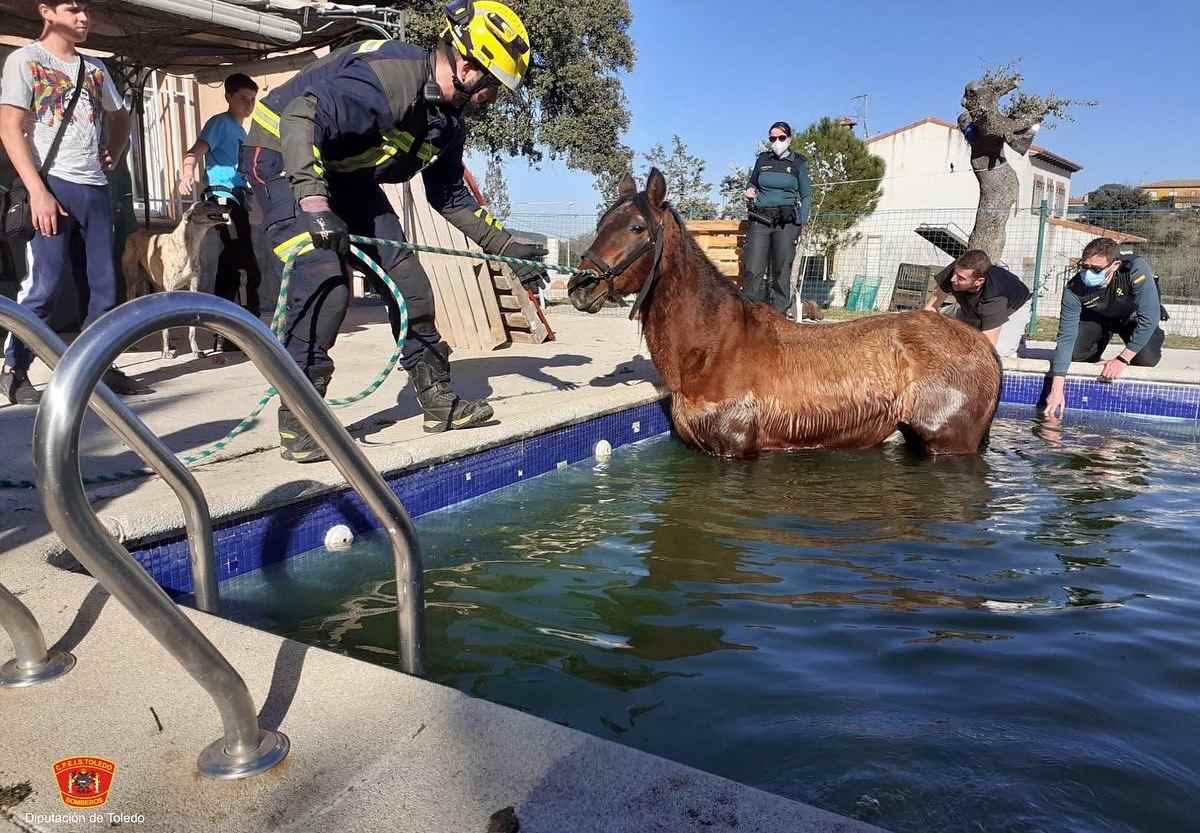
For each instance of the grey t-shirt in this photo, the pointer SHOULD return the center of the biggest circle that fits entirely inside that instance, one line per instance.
(42, 83)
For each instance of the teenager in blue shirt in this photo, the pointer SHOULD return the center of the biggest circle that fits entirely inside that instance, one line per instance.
(220, 146)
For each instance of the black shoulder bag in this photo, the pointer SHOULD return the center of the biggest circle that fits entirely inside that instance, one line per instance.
(18, 212)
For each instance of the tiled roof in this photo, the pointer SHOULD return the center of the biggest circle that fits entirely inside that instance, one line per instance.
(1172, 183)
(1097, 231)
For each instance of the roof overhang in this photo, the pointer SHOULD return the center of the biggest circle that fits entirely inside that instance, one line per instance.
(1055, 160)
(946, 236)
(185, 35)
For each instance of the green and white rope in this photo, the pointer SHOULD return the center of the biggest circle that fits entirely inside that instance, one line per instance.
(278, 323)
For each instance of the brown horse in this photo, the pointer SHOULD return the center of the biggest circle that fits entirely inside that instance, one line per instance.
(745, 379)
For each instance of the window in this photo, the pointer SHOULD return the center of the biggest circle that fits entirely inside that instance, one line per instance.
(813, 286)
(814, 268)
(1060, 200)
(1039, 193)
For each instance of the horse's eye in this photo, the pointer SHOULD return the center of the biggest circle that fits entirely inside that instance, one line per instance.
(637, 228)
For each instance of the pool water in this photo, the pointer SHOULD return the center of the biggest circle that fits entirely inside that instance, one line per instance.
(1008, 643)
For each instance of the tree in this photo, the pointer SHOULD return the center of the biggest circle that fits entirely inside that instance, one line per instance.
(495, 189)
(732, 192)
(686, 188)
(847, 185)
(1116, 197)
(989, 121)
(572, 103)
(606, 180)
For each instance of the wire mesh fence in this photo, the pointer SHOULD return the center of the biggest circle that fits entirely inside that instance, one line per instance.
(1169, 239)
(888, 260)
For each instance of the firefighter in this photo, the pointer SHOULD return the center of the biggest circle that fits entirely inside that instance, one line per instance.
(318, 151)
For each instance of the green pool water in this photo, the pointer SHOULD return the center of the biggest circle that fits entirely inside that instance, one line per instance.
(999, 644)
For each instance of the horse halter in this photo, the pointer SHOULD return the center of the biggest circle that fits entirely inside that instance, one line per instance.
(654, 242)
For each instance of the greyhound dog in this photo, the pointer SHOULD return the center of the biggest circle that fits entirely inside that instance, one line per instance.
(170, 261)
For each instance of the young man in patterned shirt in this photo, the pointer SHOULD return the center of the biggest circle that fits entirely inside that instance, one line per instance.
(37, 85)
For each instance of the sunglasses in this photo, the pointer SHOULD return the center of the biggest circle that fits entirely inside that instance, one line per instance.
(777, 138)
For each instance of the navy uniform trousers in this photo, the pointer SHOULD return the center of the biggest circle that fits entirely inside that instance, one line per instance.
(319, 291)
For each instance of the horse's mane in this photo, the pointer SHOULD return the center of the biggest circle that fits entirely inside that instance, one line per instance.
(709, 280)
(700, 261)
(708, 290)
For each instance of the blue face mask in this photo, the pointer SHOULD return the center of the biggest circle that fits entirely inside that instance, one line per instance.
(1092, 278)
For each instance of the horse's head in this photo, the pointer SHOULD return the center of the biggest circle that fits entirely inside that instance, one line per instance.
(629, 236)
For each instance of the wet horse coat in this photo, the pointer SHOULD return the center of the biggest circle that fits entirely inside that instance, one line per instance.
(745, 379)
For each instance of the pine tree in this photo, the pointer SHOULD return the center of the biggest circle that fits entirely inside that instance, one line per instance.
(686, 188)
(495, 189)
(846, 181)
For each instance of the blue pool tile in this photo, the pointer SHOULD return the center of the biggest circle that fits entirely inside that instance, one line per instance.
(247, 544)
(1129, 397)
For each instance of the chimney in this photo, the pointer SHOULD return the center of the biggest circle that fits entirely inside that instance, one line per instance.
(848, 122)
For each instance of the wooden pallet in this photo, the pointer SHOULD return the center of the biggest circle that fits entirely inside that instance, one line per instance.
(480, 305)
(519, 312)
(722, 241)
(468, 315)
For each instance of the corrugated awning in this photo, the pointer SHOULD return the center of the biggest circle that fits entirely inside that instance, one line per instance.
(946, 236)
(183, 35)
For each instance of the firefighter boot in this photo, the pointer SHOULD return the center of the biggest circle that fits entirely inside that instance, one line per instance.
(444, 410)
(296, 443)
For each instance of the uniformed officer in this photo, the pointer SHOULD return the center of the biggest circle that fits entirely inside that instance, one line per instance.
(780, 196)
(319, 148)
(1112, 293)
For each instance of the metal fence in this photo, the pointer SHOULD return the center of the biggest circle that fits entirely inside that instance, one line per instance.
(885, 261)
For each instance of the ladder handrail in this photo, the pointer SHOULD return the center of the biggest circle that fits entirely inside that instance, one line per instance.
(56, 451)
(22, 627)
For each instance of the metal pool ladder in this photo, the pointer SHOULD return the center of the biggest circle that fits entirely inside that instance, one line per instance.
(246, 749)
(34, 663)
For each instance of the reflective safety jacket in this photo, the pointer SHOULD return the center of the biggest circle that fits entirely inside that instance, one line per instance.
(362, 112)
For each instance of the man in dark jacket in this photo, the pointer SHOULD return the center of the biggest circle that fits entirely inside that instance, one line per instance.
(1112, 293)
(321, 146)
(990, 298)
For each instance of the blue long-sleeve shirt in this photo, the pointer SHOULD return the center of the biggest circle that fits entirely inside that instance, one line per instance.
(1136, 273)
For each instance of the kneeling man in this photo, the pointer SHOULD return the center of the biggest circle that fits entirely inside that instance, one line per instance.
(990, 298)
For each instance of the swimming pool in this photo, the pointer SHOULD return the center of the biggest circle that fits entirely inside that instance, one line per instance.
(999, 644)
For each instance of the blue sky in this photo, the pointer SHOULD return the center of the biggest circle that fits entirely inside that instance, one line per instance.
(718, 73)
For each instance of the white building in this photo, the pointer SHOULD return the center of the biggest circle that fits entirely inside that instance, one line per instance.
(929, 166)
(927, 210)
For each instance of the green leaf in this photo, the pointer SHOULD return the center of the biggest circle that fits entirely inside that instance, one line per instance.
(573, 105)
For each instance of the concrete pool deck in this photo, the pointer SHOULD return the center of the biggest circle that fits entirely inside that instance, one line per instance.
(370, 747)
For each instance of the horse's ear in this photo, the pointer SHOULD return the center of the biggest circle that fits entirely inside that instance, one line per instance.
(627, 187)
(656, 188)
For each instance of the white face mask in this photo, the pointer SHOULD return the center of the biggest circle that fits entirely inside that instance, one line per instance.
(781, 146)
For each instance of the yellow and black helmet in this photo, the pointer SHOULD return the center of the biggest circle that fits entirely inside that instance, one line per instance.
(491, 35)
